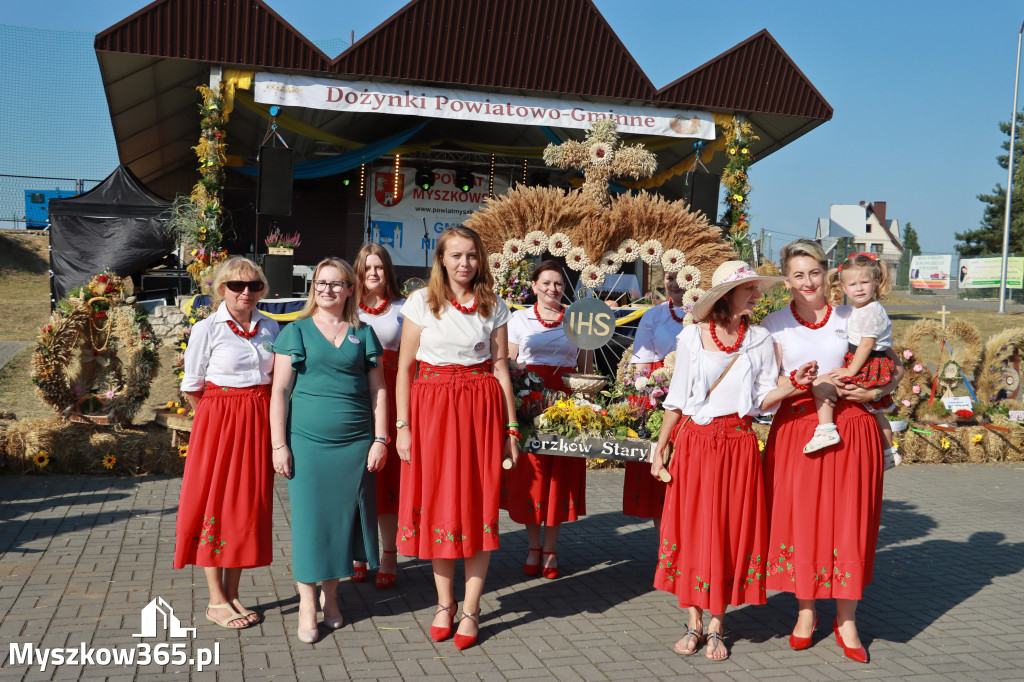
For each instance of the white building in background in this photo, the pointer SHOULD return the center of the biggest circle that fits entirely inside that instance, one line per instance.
(866, 225)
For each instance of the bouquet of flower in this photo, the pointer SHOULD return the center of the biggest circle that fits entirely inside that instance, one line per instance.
(513, 282)
(574, 417)
(281, 240)
(531, 396)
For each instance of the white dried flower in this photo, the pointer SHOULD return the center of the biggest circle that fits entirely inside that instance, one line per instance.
(673, 260)
(497, 262)
(600, 153)
(576, 258)
(536, 242)
(651, 252)
(688, 319)
(592, 276)
(691, 297)
(610, 262)
(514, 249)
(688, 277)
(629, 250)
(559, 244)
(641, 383)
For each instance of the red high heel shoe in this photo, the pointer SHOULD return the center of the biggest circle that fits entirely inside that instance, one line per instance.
(439, 634)
(531, 569)
(466, 641)
(385, 580)
(549, 573)
(801, 643)
(358, 573)
(860, 654)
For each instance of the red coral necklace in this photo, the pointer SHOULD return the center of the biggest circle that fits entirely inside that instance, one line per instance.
(739, 340)
(374, 311)
(463, 309)
(244, 334)
(672, 312)
(549, 325)
(809, 325)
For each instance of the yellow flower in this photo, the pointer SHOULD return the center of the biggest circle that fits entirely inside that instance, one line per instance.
(181, 410)
(183, 450)
(977, 438)
(183, 345)
(732, 150)
(737, 197)
(191, 320)
(195, 251)
(745, 150)
(944, 443)
(760, 445)
(109, 461)
(41, 459)
(170, 404)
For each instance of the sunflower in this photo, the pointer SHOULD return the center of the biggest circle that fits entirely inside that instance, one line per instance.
(181, 410)
(41, 459)
(109, 461)
(651, 251)
(977, 438)
(536, 242)
(183, 450)
(944, 443)
(559, 244)
(673, 260)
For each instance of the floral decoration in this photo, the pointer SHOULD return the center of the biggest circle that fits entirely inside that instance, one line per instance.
(536, 242)
(672, 260)
(576, 258)
(512, 283)
(629, 250)
(559, 244)
(280, 240)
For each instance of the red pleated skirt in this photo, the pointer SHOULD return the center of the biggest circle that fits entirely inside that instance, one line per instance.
(545, 489)
(714, 529)
(823, 508)
(390, 477)
(448, 508)
(642, 494)
(224, 512)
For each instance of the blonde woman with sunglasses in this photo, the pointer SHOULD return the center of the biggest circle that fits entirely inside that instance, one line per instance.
(224, 514)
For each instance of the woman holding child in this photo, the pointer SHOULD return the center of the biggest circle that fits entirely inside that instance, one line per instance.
(824, 507)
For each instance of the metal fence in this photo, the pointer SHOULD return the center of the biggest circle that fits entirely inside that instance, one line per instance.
(17, 211)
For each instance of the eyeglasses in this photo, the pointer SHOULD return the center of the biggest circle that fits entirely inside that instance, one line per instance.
(255, 286)
(322, 285)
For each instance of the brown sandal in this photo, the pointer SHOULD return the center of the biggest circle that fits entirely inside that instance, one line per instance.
(714, 641)
(690, 632)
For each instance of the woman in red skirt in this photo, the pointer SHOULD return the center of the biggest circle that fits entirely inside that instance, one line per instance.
(824, 507)
(643, 496)
(224, 514)
(714, 531)
(454, 425)
(380, 306)
(544, 489)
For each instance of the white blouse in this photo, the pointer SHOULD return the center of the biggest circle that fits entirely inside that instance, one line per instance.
(743, 389)
(655, 335)
(388, 325)
(801, 345)
(455, 338)
(540, 345)
(870, 320)
(218, 355)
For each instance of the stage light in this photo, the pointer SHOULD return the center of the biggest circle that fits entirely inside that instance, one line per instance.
(424, 178)
(345, 181)
(464, 179)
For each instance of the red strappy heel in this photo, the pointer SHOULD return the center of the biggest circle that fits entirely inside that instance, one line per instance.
(385, 580)
(358, 573)
(439, 634)
(531, 569)
(466, 641)
(549, 573)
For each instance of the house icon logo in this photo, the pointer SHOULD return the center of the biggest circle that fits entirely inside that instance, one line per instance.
(159, 610)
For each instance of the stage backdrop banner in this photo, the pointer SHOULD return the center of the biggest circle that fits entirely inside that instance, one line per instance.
(468, 105)
(976, 273)
(930, 272)
(406, 219)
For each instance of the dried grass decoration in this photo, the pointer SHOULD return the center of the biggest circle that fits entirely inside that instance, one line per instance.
(999, 379)
(959, 338)
(95, 359)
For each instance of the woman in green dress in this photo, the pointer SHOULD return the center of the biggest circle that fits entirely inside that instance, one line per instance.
(328, 426)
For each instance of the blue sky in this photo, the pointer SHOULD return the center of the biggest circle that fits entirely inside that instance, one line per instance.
(918, 90)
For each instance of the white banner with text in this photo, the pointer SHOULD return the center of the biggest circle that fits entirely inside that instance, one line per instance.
(930, 272)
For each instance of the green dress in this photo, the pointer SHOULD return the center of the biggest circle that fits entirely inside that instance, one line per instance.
(330, 430)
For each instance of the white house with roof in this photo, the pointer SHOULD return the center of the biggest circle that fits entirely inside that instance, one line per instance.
(866, 224)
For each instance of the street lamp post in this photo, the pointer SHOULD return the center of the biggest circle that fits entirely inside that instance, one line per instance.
(1009, 180)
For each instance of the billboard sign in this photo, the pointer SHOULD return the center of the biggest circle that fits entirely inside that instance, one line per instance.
(930, 272)
(977, 273)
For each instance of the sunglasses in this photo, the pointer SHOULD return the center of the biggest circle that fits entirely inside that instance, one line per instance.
(238, 287)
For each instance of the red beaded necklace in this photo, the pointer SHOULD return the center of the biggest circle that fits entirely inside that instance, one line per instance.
(809, 325)
(739, 340)
(374, 311)
(549, 325)
(673, 313)
(244, 334)
(463, 309)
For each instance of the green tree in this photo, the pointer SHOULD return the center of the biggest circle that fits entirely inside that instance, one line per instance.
(911, 247)
(987, 240)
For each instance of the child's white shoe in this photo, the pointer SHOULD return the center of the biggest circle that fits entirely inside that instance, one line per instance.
(822, 439)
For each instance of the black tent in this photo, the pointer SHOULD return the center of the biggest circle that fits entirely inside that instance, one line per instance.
(117, 225)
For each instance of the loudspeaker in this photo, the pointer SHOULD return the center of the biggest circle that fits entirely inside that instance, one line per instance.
(278, 270)
(274, 183)
(701, 193)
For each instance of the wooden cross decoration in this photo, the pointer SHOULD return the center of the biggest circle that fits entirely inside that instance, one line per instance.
(601, 157)
(944, 312)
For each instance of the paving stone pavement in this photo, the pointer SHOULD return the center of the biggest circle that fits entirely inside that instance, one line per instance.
(81, 556)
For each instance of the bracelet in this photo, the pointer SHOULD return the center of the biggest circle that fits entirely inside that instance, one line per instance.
(512, 425)
(799, 387)
(281, 446)
(514, 433)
